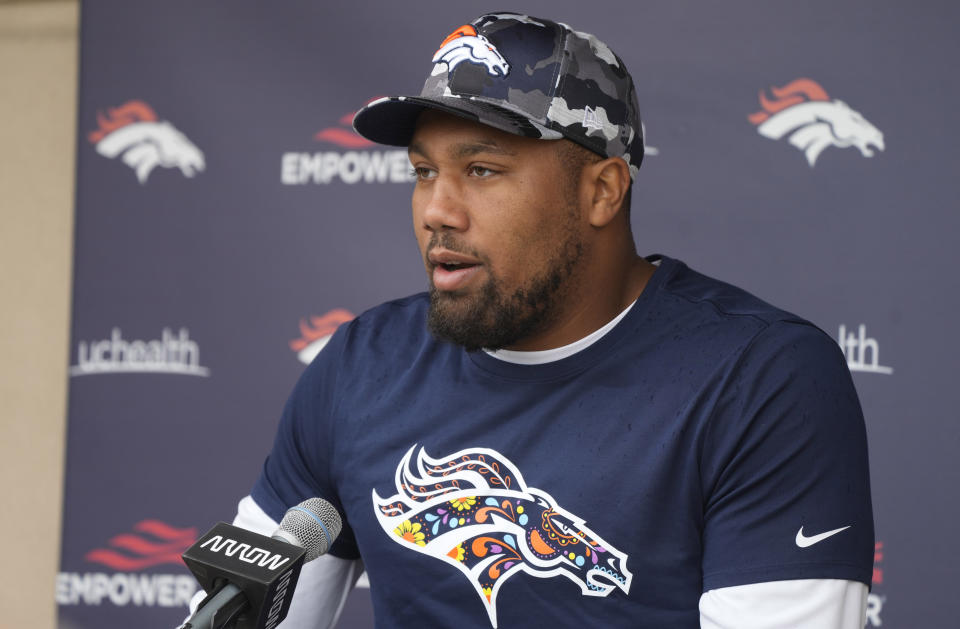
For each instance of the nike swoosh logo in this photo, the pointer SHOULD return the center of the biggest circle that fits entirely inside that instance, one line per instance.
(803, 541)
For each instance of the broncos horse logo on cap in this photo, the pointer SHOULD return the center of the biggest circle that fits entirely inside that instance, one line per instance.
(464, 44)
(473, 511)
(802, 111)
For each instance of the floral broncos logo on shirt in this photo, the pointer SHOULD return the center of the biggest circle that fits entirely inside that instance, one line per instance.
(473, 511)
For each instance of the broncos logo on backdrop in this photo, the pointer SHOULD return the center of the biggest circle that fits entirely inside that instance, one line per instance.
(802, 111)
(133, 132)
(473, 511)
(315, 335)
(464, 44)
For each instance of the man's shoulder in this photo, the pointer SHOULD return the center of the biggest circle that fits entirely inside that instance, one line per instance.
(392, 325)
(720, 298)
(401, 311)
(392, 331)
(729, 315)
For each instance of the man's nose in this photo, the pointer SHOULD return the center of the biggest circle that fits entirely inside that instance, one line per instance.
(443, 208)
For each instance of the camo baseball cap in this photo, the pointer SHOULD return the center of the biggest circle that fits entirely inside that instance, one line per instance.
(527, 76)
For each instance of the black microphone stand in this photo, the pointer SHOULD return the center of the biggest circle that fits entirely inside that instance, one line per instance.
(219, 609)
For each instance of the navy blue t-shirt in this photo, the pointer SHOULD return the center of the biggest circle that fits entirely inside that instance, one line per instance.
(708, 440)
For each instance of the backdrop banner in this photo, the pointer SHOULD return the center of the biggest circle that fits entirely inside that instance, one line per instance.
(228, 219)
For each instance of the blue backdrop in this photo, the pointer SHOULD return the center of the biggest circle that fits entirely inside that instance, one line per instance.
(227, 220)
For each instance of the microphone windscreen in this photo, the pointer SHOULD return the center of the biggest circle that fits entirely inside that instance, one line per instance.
(314, 523)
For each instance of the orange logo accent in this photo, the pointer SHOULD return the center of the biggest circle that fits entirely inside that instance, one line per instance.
(539, 545)
(465, 30)
(877, 558)
(320, 327)
(127, 113)
(345, 137)
(793, 93)
(152, 543)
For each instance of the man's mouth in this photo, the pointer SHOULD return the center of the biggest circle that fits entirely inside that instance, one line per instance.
(452, 271)
(454, 266)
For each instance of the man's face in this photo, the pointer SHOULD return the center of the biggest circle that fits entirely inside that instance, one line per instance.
(498, 223)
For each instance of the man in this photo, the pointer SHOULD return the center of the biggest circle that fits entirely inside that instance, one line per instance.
(563, 433)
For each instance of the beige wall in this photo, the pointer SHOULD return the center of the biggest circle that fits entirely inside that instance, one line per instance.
(38, 85)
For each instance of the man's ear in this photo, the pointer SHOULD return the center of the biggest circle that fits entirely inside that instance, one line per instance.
(608, 180)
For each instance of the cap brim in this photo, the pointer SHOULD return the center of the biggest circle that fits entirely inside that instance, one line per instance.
(392, 120)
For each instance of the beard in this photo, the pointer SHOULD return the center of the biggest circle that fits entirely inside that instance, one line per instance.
(494, 317)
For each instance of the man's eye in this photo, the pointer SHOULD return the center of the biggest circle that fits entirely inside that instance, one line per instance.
(480, 171)
(422, 173)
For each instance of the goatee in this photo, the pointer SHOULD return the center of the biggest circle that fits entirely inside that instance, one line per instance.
(493, 318)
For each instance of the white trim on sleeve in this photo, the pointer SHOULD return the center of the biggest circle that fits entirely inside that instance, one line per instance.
(798, 604)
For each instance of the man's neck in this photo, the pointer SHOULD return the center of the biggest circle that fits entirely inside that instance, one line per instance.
(593, 305)
(551, 355)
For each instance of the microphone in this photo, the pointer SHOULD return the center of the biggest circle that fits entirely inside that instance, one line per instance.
(250, 577)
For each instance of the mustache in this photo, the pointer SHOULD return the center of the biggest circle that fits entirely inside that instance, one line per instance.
(448, 241)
